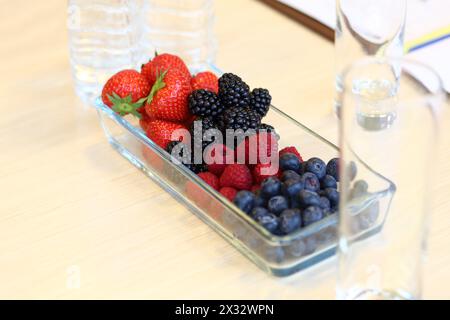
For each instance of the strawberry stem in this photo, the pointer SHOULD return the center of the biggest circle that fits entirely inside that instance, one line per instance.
(158, 85)
(124, 106)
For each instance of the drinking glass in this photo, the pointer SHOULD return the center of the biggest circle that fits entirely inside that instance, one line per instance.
(367, 28)
(389, 123)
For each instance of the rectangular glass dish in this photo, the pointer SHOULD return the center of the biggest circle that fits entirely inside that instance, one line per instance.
(277, 255)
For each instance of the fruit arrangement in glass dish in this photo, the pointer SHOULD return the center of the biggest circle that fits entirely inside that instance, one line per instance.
(252, 173)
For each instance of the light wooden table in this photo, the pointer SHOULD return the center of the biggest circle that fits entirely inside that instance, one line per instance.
(77, 221)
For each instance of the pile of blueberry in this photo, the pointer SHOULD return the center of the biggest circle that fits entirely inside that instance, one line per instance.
(302, 194)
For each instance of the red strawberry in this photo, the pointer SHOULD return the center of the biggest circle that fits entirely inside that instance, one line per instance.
(168, 99)
(258, 148)
(210, 179)
(126, 92)
(145, 119)
(217, 157)
(161, 131)
(263, 171)
(291, 150)
(164, 62)
(228, 193)
(205, 80)
(237, 176)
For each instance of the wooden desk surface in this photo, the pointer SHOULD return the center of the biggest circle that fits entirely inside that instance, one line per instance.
(72, 209)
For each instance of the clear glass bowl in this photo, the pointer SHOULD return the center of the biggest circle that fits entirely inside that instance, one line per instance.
(277, 255)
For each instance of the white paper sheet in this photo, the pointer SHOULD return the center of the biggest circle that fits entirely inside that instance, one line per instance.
(423, 17)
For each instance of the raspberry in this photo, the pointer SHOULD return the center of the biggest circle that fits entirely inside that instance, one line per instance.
(210, 179)
(217, 157)
(291, 150)
(237, 176)
(197, 195)
(228, 193)
(258, 176)
(252, 148)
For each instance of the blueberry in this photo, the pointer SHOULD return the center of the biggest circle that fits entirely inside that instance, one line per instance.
(278, 204)
(245, 200)
(268, 221)
(259, 211)
(295, 203)
(352, 171)
(270, 187)
(311, 215)
(333, 196)
(325, 204)
(260, 201)
(289, 161)
(301, 170)
(289, 175)
(360, 188)
(308, 198)
(291, 188)
(328, 182)
(290, 220)
(333, 168)
(316, 166)
(310, 181)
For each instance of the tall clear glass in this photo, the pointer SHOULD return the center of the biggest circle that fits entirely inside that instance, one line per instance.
(389, 127)
(367, 28)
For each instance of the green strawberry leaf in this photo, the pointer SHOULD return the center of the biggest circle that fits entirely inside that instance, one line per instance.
(124, 106)
(158, 85)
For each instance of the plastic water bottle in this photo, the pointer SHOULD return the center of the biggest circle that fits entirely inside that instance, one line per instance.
(104, 38)
(181, 27)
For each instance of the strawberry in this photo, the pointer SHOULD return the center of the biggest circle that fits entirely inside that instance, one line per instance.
(210, 179)
(126, 92)
(262, 172)
(237, 176)
(217, 157)
(168, 99)
(161, 131)
(291, 150)
(205, 80)
(257, 148)
(228, 193)
(164, 62)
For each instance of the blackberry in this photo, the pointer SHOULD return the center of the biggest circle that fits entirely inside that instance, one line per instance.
(266, 127)
(260, 100)
(198, 136)
(233, 91)
(229, 77)
(182, 153)
(239, 118)
(269, 129)
(205, 103)
(197, 168)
